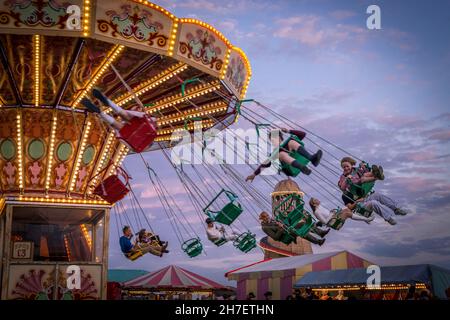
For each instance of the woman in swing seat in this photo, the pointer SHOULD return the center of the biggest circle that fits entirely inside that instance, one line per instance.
(358, 175)
(146, 237)
(285, 158)
(326, 216)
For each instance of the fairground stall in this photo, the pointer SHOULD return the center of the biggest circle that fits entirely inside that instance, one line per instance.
(395, 282)
(172, 282)
(54, 155)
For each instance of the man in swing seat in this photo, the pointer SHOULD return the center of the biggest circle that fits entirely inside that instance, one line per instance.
(285, 158)
(130, 249)
(218, 235)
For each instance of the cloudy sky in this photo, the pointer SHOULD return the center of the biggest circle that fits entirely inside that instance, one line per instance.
(379, 94)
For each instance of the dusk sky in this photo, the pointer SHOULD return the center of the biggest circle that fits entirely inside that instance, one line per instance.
(382, 95)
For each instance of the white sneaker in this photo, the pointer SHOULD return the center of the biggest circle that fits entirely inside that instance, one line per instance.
(401, 212)
(391, 221)
(370, 219)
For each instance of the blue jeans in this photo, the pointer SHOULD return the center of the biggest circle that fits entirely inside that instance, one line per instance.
(381, 204)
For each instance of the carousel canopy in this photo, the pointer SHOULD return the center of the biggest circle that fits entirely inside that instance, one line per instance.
(173, 277)
(54, 53)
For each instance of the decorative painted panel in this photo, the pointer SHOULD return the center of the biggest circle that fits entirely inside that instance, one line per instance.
(51, 15)
(68, 134)
(90, 287)
(31, 282)
(36, 137)
(134, 24)
(9, 151)
(94, 145)
(201, 47)
(237, 74)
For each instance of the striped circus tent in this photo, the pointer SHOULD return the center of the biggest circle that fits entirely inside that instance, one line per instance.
(173, 277)
(280, 274)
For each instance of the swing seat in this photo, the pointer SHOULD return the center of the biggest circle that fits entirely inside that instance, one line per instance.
(192, 247)
(135, 255)
(220, 242)
(228, 213)
(287, 168)
(361, 191)
(287, 238)
(113, 189)
(362, 210)
(139, 133)
(336, 222)
(245, 242)
(292, 214)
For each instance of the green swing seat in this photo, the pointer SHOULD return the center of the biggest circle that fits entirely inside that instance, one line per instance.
(287, 238)
(362, 210)
(220, 242)
(336, 222)
(228, 213)
(291, 213)
(287, 168)
(245, 242)
(192, 247)
(359, 191)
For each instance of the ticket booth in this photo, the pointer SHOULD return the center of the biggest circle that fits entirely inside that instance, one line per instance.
(39, 241)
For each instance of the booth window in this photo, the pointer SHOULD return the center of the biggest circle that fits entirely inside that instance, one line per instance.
(60, 234)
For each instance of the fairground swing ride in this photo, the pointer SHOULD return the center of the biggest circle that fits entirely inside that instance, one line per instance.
(61, 164)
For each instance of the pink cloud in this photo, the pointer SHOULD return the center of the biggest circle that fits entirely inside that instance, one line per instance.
(416, 184)
(342, 14)
(310, 30)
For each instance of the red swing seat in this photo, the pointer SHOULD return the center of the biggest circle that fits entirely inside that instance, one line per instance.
(139, 133)
(113, 189)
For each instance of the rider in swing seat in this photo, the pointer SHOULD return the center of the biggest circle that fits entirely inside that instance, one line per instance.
(218, 235)
(373, 201)
(293, 145)
(326, 217)
(126, 115)
(129, 249)
(146, 237)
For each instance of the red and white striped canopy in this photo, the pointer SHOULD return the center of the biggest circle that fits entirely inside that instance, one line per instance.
(173, 277)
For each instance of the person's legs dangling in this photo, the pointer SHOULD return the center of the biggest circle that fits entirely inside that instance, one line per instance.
(118, 110)
(111, 121)
(286, 158)
(315, 158)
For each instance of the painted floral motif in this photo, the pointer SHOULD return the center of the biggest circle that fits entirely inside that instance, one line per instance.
(61, 171)
(87, 291)
(81, 175)
(200, 47)
(40, 285)
(236, 73)
(32, 13)
(10, 171)
(35, 171)
(134, 22)
(35, 285)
